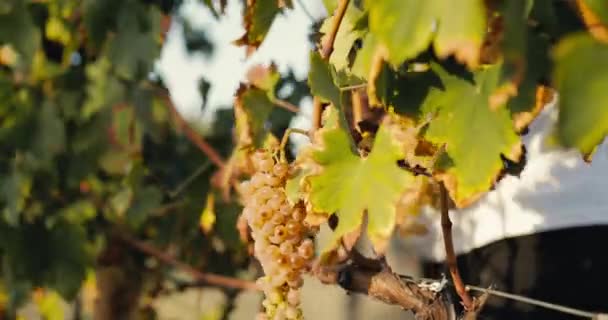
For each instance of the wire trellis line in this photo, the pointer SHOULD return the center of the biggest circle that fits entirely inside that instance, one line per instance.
(543, 304)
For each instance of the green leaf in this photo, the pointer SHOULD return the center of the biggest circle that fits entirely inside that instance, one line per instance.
(373, 184)
(403, 91)
(15, 191)
(321, 81)
(581, 78)
(136, 46)
(37, 256)
(530, 97)
(363, 60)
(346, 36)
(103, 89)
(121, 201)
(99, 17)
(474, 134)
(79, 212)
(50, 136)
(18, 30)
(226, 216)
(144, 201)
(69, 257)
(259, 15)
(264, 78)
(407, 27)
(252, 108)
(50, 305)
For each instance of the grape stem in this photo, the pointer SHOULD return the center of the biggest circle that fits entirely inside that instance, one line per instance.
(286, 105)
(192, 135)
(326, 49)
(446, 227)
(285, 138)
(209, 278)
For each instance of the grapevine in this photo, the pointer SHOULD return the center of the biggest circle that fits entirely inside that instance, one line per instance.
(415, 105)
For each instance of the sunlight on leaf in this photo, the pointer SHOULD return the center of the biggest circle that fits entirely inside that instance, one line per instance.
(474, 134)
(373, 184)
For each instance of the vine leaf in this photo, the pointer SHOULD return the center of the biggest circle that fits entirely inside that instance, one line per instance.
(402, 91)
(407, 27)
(595, 16)
(264, 78)
(258, 17)
(135, 46)
(374, 183)
(18, 30)
(16, 190)
(346, 36)
(252, 108)
(581, 82)
(103, 89)
(321, 80)
(474, 134)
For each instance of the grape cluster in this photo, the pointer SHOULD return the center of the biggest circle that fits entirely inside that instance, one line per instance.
(280, 237)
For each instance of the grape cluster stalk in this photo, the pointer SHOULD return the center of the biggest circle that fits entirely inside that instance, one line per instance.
(281, 242)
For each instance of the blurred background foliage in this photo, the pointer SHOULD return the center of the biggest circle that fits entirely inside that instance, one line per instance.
(92, 153)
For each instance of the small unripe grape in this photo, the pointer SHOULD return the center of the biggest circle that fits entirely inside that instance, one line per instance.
(285, 209)
(283, 261)
(270, 180)
(293, 297)
(277, 219)
(280, 170)
(286, 248)
(293, 228)
(245, 188)
(275, 297)
(306, 249)
(280, 234)
(295, 283)
(256, 182)
(273, 251)
(264, 194)
(266, 165)
(261, 316)
(274, 203)
(268, 229)
(297, 214)
(291, 312)
(279, 313)
(264, 215)
(297, 261)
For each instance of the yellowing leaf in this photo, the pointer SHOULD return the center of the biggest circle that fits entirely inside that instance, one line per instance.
(350, 185)
(474, 134)
(207, 219)
(595, 16)
(50, 304)
(252, 108)
(346, 36)
(581, 78)
(407, 27)
(259, 15)
(264, 78)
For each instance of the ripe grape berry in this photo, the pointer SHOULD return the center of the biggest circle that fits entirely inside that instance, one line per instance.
(279, 235)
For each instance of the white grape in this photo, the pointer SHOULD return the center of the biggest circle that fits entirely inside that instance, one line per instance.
(280, 237)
